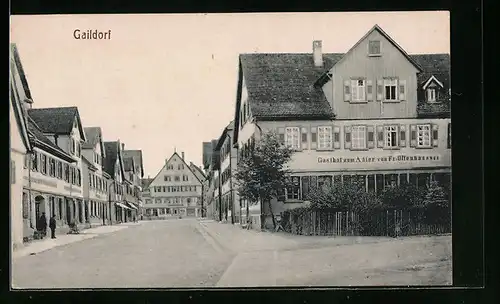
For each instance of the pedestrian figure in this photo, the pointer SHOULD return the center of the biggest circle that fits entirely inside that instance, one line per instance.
(52, 226)
(134, 219)
(43, 224)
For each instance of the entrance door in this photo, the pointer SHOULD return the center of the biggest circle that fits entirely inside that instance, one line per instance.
(37, 214)
(68, 211)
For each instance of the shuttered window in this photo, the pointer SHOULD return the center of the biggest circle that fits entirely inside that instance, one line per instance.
(358, 137)
(325, 137)
(292, 137)
(424, 136)
(391, 136)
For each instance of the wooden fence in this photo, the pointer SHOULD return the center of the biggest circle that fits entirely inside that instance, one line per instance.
(381, 223)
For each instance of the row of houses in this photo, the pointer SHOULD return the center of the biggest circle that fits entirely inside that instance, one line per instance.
(63, 169)
(175, 191)
(374, 113)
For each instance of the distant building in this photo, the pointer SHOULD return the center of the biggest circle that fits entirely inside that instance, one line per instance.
(375, 114)
(136, 173)
(113, 165)
(227, 158)
(175, 191)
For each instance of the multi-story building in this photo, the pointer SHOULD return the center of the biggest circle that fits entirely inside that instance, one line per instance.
(374, 113)
(135, 172)
(61, 126)
(211, 165)
(175, 191)
(113, 165)
(95, 185)
(20, 149)
(227, 157)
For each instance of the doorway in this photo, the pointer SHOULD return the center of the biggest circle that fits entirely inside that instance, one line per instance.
(39, 209)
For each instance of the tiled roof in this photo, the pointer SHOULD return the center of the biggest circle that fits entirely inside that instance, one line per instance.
(17, 59)
(128, 163)
(282, 85)
(36, 135)
(54, 120)
(92, 134)
(111, 148)
(437, 65)
(137, 156)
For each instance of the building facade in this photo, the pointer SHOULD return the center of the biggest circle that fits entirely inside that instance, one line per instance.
(113, 165)
(228, 163)
(175, 191)
(95, 184)
(132, 160)
(20, 149)
(375, 114)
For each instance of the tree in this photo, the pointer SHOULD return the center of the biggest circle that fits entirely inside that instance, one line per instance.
(402, 197)
(435, 196)
(261, 174)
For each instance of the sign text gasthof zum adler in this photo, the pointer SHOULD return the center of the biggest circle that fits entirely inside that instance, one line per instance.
(367, 159)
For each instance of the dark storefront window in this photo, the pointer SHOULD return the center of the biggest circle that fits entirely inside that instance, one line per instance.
(379, 181)
(293, 190)
(346, 179)
(361, 181)
(390, 180)
(305, 186)
(324, 181)
(337, 179)
(371, 183)
(403, 178)
(423, 179)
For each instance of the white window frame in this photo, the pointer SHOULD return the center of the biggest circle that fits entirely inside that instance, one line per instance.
(393, 82)
(358, 137)
(423, 131)
(325, 138)
(291, 196)
(292, 137)
(358, 90)
(388, 139)
(431, 95)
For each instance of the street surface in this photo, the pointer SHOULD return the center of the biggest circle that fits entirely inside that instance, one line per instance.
(200, 254)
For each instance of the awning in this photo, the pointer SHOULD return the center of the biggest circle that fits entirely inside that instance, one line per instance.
(132, 206)
(122, 206)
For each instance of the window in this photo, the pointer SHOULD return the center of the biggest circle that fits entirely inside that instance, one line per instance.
(34, 161)
(177, 178)
(43, 163)
(358, 90)
(358, 137)
(423, 136)
(293, 189)
(185, 178)
(167, 178)
(292, 137)
(390, 89)
(391, 136)
(325, 137)
(59, 169)
(374, 47)
(66, 173)
(431, 95)
(324, 181)
(390, 180)
(72, 146)
(180, 167)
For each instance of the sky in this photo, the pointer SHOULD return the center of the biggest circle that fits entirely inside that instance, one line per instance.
(165, 82)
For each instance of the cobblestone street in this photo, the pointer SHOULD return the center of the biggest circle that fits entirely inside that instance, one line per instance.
(190, 253)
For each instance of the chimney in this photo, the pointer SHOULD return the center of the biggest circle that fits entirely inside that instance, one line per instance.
(317, 53)
(123, 147)
(182, 155)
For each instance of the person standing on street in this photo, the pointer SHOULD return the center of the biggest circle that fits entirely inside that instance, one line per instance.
(52, 226)
(43, 225)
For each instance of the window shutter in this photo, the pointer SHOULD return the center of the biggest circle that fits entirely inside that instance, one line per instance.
(369, 90)
(435, 135)
(370, 138)
(413, 135)
(347, 137)
(380, 136)
(314, 137)
(304, 138)
(336, 137)
(380, 89)
(402, 136)
(402, 90)
(281, 135)
(347, 90)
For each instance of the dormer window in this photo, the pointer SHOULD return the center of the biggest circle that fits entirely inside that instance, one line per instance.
(374, 48)
(431, 95)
